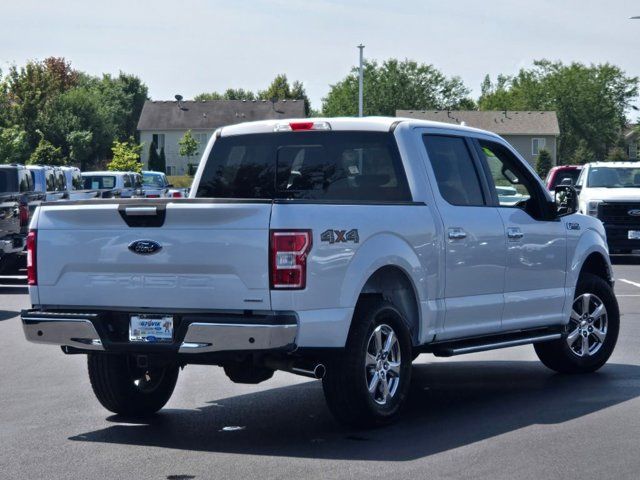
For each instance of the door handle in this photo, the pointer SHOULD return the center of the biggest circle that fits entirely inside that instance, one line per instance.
(457, 234)
(514, 233)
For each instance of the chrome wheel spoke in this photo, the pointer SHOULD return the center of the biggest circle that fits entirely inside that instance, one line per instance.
(385, 389)
(586, 299)
(378, 339)
(599, 310)
(373, 384)
(370, 360)
(571, 338)
(585, 346)
(391, 339)
(599, 334)
(575, 316)
(394, 368)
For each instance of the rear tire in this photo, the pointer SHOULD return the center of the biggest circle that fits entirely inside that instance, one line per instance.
(592, 330)
(368, 383)
(123, 388)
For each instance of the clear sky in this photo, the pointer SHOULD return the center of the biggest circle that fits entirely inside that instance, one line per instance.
(192, 46)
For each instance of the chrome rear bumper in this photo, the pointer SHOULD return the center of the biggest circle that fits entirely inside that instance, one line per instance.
(66, 329)
(80, 330)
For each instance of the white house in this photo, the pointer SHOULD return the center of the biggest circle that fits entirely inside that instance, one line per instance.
(165, 122)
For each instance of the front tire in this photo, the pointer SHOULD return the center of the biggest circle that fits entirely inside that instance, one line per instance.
(368, 383)
(592, 331)
(126, 389)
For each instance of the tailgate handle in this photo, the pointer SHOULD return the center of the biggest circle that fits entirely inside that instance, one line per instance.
(143, 216)
(140, 211)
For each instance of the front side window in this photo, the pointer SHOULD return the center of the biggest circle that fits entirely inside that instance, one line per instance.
(513, 185)
(341, 166)
(153, 180)
(127, 181)
(454, 169)
(76, 180)
(537, 144)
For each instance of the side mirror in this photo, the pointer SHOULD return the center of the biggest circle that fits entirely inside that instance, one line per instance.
(169, 185)
(566, 198)
(566, 182)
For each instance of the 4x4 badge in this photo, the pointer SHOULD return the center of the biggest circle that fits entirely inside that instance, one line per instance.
(340, 236)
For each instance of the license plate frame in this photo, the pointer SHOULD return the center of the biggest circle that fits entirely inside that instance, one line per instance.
(633, 235)
(151, 328)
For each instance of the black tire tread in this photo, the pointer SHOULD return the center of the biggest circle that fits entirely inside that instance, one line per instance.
(111, 384)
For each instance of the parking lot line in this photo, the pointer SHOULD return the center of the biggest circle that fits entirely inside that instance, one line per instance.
(635, 284)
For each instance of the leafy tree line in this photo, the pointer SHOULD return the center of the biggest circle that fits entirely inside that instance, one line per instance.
(279, 89)
(52, 113)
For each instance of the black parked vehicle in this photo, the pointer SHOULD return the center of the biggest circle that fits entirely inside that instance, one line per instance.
(18, 201)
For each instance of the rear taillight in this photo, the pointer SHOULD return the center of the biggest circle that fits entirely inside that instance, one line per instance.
(289, 251)
(153, 195)
(32, 273)
(176, 194)
(23, 211)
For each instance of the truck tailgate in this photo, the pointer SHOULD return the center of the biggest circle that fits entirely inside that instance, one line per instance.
(211, 256)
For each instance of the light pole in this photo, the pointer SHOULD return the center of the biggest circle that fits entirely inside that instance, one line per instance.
(360, 78)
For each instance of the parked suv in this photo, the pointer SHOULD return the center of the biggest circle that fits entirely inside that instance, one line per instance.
(114, 184)
(49, 181)
(74, 184)
(332, 248)
(155, 184)
(610, 191)
(17, 204)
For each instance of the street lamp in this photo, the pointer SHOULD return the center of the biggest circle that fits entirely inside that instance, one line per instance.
(360, 77)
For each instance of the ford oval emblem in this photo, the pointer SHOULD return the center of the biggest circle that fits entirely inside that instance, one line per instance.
(634, 213)
(145, 247)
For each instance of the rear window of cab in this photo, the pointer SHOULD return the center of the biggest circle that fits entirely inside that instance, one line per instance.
(338, 166)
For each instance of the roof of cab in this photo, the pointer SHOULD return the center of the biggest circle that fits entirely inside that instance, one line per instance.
(373, 124)
(105, 172)
(614, 164)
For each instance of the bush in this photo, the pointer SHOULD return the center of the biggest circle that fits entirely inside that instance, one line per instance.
(180, 181)
(47, 154)
(153, 157)
(126, 156)
(543, 163)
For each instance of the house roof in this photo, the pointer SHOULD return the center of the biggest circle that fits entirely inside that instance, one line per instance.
(209, 115)
(500, 122)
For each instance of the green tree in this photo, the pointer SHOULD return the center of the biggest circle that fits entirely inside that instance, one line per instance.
(583, 154)
(188, 145)
(543, 163)
(395, 84)
(617, 154)
(47, 154)
(153, 157)
(590, 101)
(126, 156)
(207, 97)
(162, 161)
(80, 143)
(14, 147)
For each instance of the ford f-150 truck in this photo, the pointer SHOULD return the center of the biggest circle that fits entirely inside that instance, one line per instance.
(610, 191)
(333, 248)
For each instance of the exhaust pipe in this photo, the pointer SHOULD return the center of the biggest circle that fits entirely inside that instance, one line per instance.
(299, 367)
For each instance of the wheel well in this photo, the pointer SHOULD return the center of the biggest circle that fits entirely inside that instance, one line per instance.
(393, 284)
(597, 265)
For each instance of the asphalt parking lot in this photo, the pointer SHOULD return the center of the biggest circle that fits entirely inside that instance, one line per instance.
(495, 415)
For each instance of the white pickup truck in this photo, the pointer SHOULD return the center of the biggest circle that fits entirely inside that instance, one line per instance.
(334, 248)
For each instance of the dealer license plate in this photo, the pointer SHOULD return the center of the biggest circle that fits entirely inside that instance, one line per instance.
(151, 328)
(633, 235)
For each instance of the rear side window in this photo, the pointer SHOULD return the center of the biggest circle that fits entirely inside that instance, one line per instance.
(97, 182)
(455, 171)
(340, 166)
(76, 180)
(127, 181)
(50, 180)
(8, 180)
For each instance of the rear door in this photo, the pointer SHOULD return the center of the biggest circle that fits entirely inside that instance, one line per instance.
(474, 238)
(536, 242)
(166, 255)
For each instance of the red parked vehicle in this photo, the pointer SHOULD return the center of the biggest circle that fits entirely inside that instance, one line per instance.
(557, 174)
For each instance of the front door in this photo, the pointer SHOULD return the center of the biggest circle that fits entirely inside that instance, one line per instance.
(473, 237)
(536, 242)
